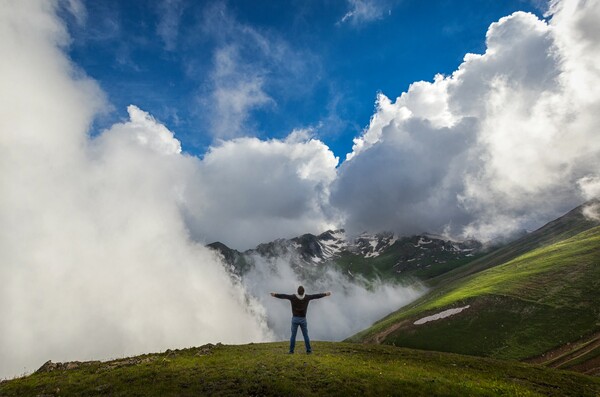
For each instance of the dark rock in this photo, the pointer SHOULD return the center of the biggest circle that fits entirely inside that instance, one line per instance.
(236, 262)
(72, 365)
(48, 366)
(206, 349)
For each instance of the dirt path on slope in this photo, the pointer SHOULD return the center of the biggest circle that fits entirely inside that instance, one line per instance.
(561, 356)
(380, 336)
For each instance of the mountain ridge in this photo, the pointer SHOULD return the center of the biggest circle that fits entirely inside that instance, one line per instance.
(380, 255)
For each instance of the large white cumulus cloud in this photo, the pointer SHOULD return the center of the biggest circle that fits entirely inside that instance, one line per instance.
(506, 142)
(95, 257)
(256, 191)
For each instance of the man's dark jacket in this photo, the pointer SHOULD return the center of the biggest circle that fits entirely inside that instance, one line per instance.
(299, 306)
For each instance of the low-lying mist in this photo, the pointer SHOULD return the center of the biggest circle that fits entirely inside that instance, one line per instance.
(353, 306)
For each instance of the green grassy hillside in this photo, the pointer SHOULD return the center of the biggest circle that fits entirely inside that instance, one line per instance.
(525, 307)
(334, 369)
(568, 225)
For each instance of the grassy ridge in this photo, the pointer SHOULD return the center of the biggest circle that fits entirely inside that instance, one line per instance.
(565, 273)
(563, 228)
(537, 301)
(334, 369)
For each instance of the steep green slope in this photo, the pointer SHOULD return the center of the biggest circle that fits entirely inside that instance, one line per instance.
(568, 225)
(536, 302)
(334, 369)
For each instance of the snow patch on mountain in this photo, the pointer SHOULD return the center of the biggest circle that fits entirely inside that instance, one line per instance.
(372, 245)
(440, 315)
(332, 243)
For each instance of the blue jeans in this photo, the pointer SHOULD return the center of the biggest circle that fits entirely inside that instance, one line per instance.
(299, 321)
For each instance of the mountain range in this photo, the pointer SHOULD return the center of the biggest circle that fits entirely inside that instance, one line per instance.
(380, 255)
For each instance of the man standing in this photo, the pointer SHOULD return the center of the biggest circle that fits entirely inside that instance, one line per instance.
(299, 305)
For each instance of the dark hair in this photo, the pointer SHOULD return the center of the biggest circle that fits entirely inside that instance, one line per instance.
(300, 290)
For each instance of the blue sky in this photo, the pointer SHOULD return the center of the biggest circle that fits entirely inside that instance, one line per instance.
(289, 64)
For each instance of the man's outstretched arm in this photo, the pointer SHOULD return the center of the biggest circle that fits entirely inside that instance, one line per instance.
(318, 296)
(281, 296)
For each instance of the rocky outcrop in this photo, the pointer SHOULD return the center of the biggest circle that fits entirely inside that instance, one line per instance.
(50, 366)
